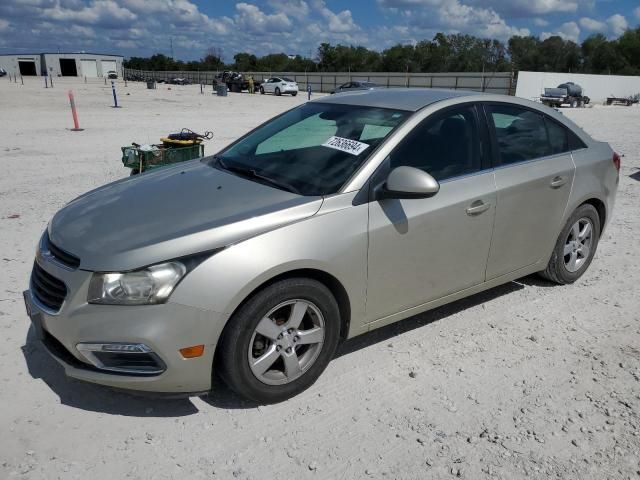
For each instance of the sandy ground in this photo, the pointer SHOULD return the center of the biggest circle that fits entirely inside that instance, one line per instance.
(526, 380)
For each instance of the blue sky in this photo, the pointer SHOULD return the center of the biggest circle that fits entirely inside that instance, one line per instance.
(144, 27)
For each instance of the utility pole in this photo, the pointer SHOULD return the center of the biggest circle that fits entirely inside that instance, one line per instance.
(171, 43)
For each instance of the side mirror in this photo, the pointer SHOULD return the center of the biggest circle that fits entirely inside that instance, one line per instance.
(409, 182)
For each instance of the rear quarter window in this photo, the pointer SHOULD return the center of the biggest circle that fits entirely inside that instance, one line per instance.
(561, 138)
(558, 137)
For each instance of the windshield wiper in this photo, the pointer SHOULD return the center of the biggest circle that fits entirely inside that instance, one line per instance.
(250, 173)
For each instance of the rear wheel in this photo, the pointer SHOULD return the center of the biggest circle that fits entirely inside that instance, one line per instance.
(574, 103)
(261, 91)
(575, 247)
(280, 341)
(294, 94)
(277, 91)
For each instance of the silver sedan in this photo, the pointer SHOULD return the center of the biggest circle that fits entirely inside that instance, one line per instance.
(338, 217)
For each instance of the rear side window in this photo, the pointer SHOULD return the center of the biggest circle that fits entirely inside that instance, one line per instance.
(520, 133)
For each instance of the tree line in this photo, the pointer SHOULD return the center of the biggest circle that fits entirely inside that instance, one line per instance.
(444, 53)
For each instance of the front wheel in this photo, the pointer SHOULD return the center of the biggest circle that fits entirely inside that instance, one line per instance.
(280, 341)
(277, 91)
(575, 247)
(261, 91)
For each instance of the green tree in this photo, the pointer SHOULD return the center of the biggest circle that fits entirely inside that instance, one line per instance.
(629, 47)
(524, 53)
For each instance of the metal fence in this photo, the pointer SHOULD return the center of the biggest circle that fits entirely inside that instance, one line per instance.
(498, 82)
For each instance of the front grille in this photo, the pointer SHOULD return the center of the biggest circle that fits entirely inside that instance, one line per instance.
(60, 255)
(47, 289)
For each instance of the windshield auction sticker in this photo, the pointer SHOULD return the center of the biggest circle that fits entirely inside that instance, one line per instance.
(346, 145)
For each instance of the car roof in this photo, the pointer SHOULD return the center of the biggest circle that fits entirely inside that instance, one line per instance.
(411, 99)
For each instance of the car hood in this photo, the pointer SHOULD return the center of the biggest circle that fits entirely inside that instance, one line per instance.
(169, 213)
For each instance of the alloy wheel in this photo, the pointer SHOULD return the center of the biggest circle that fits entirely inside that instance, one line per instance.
(286, 342)
(577, 247)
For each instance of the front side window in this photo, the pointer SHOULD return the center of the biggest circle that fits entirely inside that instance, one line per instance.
(446, 145)
(310, 150)
(520, 133)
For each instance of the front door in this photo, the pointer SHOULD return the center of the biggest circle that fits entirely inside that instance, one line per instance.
(423, 249)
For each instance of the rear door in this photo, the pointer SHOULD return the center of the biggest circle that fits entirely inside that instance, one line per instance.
(534, 174)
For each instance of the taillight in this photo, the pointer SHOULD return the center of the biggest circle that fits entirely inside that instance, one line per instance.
(616, 161)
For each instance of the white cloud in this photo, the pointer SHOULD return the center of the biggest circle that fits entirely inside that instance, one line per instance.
(104, 12)
(508, 8)
(636, 12)
(481, 21)
(255, 20)
(618, 24)
(298, 9)
(341, 22)
(567, 31)
(536, 7)
(540, 22)
(593, 25)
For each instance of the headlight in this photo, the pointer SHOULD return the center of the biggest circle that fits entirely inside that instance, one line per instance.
(148, 286)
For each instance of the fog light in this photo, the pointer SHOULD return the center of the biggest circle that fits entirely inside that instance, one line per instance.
(129, 358)
(193, 351)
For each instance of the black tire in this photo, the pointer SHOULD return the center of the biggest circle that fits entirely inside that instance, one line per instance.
(277, 92)
(261, 91)
(574, 103)
(232, 361)
(556, 270)
(134, 171)
(293, 94)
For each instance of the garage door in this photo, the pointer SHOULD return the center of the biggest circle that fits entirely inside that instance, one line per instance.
(27, 66)
(89, 68)
(107, 66)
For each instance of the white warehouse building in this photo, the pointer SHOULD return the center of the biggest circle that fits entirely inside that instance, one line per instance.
(61, 64)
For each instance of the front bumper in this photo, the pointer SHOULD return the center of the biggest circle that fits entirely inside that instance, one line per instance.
(164, 329)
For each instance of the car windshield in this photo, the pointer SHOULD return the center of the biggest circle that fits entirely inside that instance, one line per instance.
(310, 150)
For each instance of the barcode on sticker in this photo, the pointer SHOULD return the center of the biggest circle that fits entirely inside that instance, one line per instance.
(346, 145)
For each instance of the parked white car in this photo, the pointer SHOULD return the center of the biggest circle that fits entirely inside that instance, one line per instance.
(279, 85)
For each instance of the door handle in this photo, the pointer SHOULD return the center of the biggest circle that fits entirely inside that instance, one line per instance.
(557, 182)
(477, 207)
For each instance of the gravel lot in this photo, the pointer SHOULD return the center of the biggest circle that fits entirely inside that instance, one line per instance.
(527, 380)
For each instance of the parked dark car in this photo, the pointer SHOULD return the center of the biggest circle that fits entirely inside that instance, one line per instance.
(3, 72)
(351, 86)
